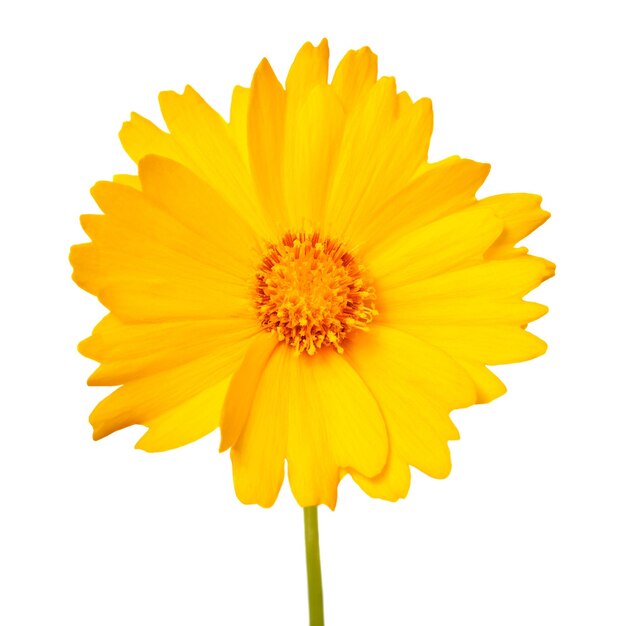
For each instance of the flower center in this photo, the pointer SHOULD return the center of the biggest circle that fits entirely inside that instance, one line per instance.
(311, 292)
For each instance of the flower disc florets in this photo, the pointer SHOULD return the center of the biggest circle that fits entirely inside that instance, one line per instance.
(311, 292)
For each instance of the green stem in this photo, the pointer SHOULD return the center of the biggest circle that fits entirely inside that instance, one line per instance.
(313, 566)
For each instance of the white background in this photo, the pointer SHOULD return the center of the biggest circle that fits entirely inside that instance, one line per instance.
(528, 529)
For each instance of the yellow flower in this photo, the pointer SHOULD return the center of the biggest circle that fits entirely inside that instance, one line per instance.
(303, 279)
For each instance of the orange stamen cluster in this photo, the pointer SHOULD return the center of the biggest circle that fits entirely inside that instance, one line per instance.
(311, 293)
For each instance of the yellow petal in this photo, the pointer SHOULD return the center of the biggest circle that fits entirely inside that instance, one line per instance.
(392, 483)
(514, 277)
(258, 456)
(147, 299)
(313, 473)
(416, 385)
(436, 248)
(143, 400)
(185, 423)
(491, 345)
(210, 150)
(142, 281)
(521, 214)
(358, 160)
(141, 216)
(403, 150)
(356, 430)
(467, 310)
(151, 267)
(489, 293)
(127, 179)
(86, 274)
(129, 351)
(354, 76)
(313, 118)
(333, 422)
(331, 417)
(385, 143)
(243, 387)
(309, 70)
(311, 146)
(266, 138)
(140, 137)
(239, 106)
(439, 190)
(226, 238)
(488, 385)
(405, 104)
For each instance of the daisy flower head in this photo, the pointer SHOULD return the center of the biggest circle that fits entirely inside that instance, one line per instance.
(302, 278)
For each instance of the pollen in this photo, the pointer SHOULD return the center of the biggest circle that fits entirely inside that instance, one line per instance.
(311, 292)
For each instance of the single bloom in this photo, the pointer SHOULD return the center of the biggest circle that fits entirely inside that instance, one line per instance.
(302, 278)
